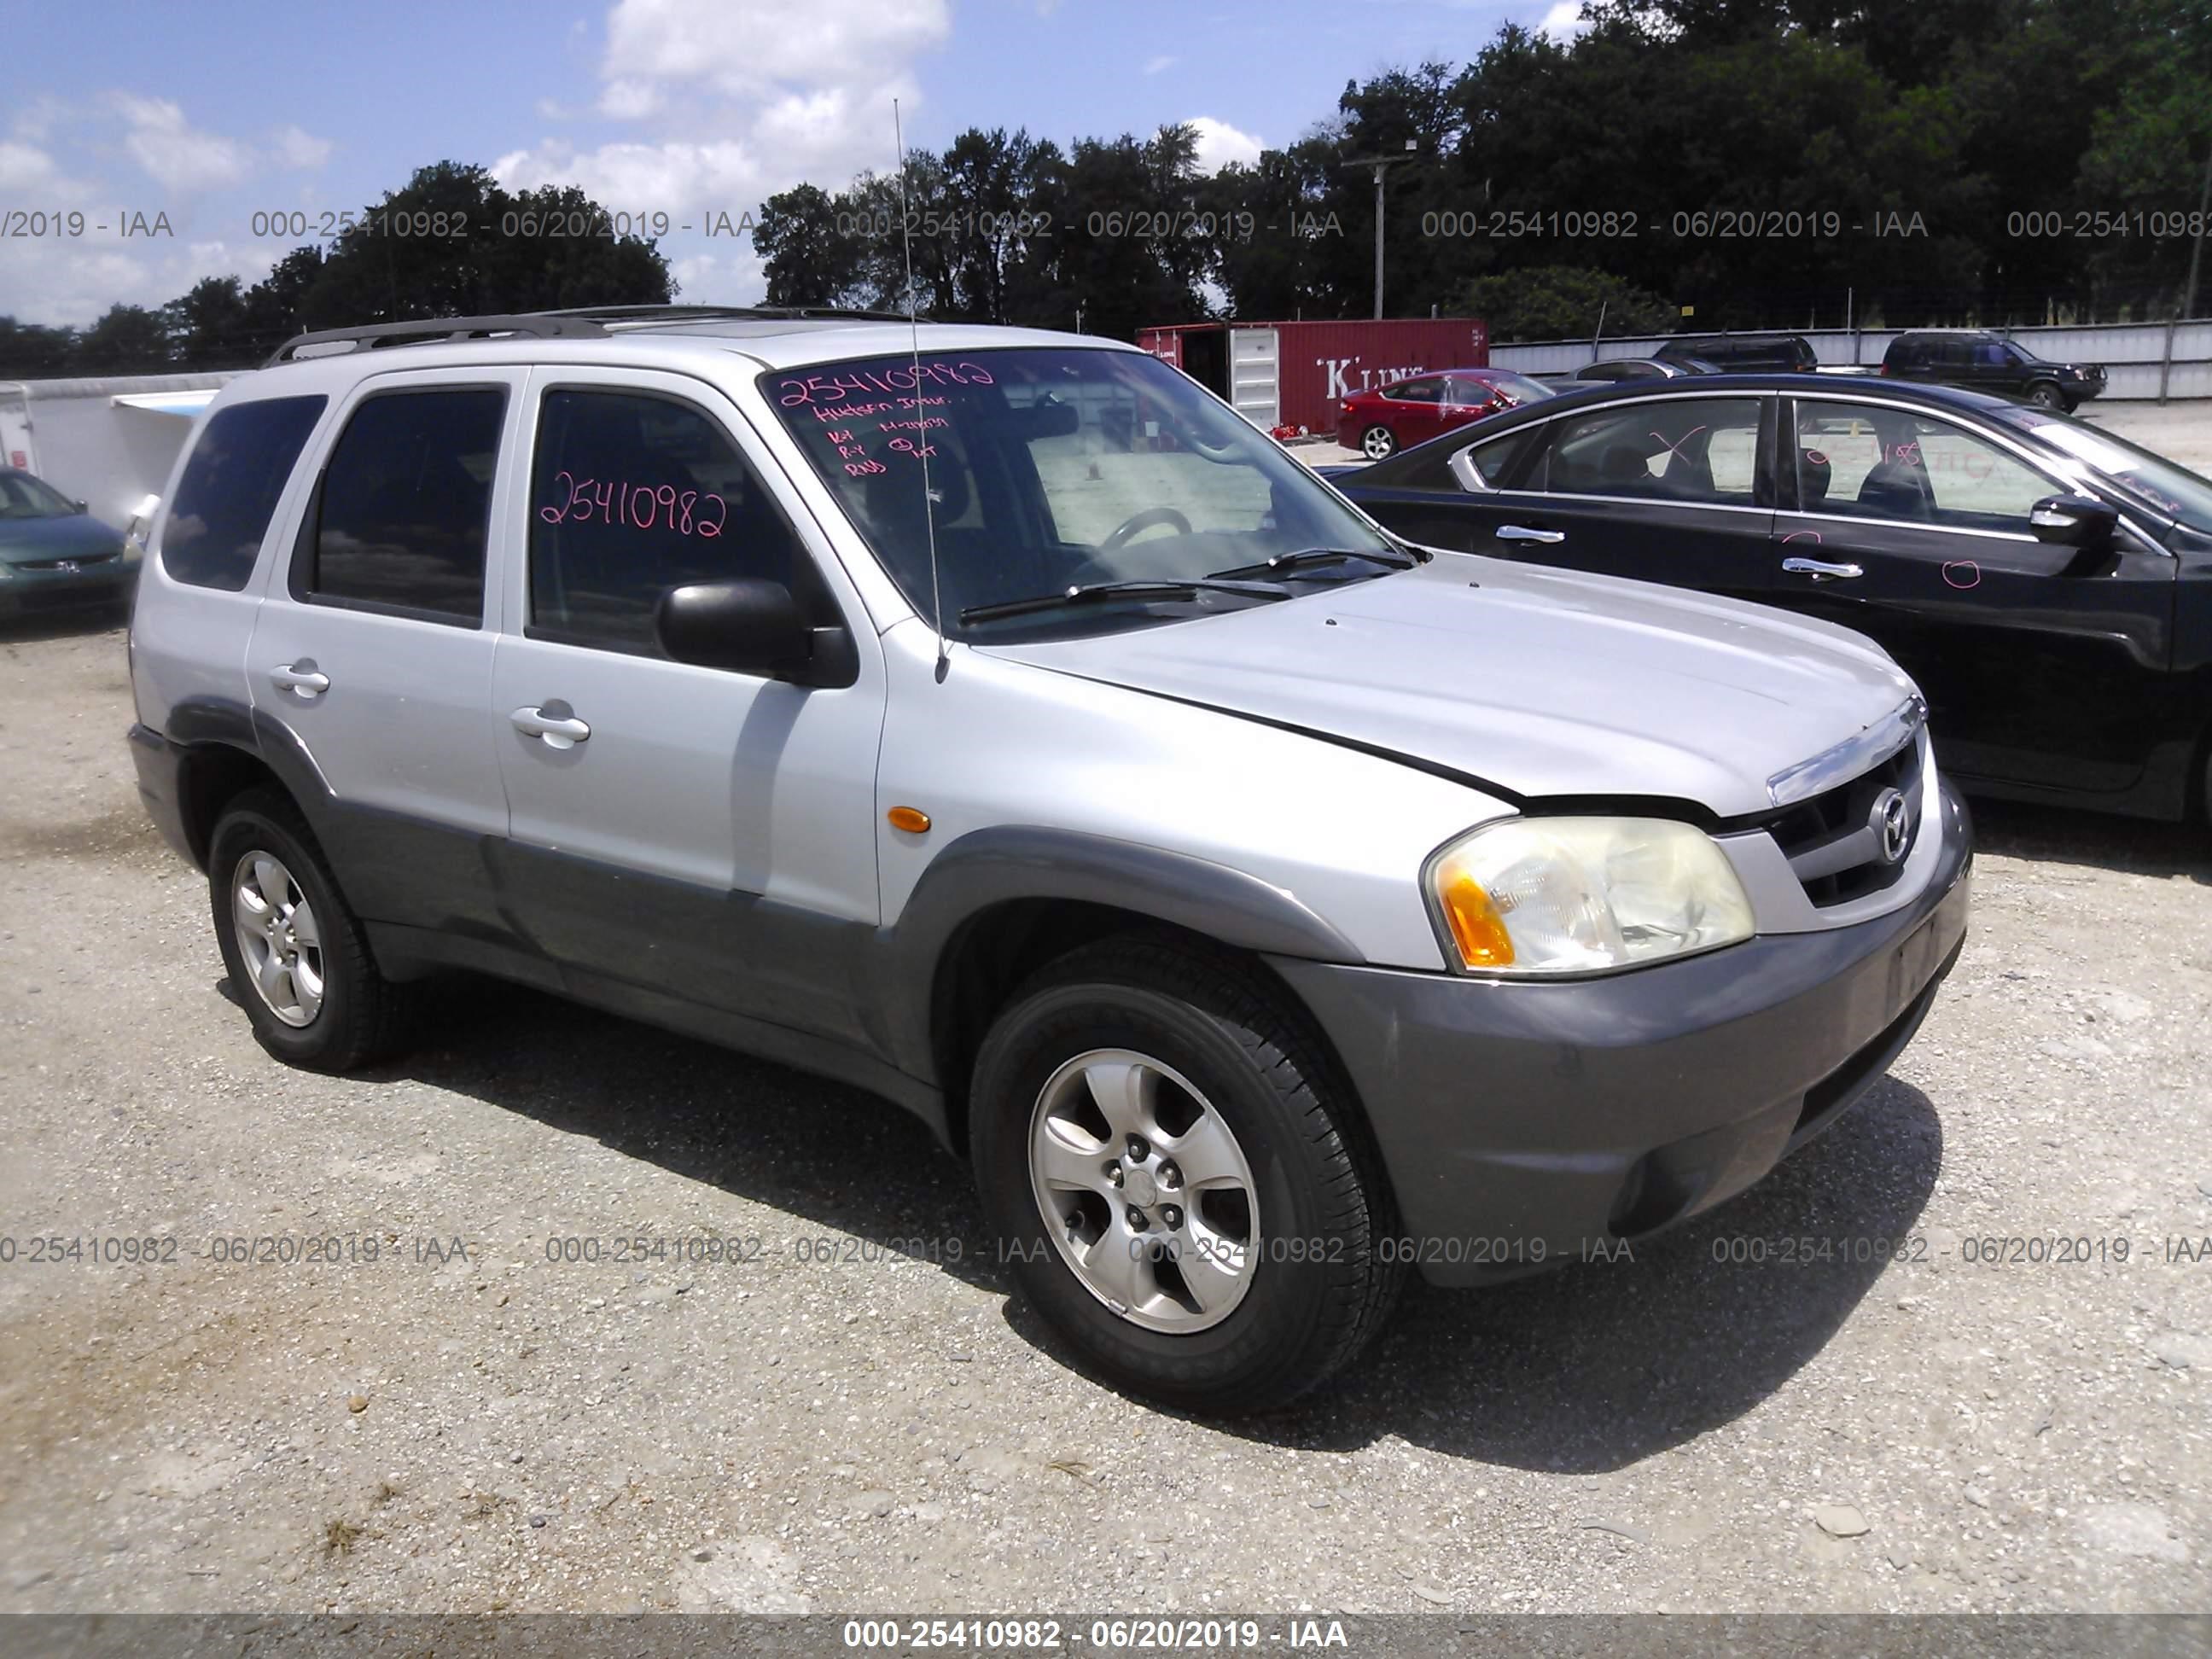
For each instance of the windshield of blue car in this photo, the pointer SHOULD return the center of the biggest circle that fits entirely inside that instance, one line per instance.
(23, 496)
(1057, 467)
(2168, 488)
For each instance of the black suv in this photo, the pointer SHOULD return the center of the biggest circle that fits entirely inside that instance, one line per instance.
(1984, 361)
(1744, 353)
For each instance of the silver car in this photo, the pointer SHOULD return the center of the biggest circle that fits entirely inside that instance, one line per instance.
(1264, 905)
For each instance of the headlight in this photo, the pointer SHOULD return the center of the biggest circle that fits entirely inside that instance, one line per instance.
(1580, 896)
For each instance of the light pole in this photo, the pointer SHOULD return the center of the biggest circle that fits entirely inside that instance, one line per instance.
(1382, 164)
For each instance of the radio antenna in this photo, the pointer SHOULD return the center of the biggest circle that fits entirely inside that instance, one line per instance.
(921, 421)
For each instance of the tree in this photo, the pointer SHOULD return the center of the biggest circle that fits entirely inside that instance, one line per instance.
(273, 304)
(31, 351)
(127, 340)
(207, 327)
(1562, 302)
(808, 251)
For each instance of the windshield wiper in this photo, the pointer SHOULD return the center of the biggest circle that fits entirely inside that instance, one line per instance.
(1284, 562)
(1092, 592)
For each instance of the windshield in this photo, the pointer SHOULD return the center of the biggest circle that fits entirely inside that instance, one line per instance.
(1058, 467)
(1519, 387)
(2171, 489)
(23, 496)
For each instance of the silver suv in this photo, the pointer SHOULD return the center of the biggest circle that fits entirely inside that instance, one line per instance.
(995, 720)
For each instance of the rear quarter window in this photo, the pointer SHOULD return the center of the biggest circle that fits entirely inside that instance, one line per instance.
(229, 491)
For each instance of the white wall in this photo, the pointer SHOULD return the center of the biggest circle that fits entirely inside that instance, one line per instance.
(110, 458)
(2131, 353)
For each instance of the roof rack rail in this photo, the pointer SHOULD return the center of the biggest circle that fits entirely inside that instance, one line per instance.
(543, 324)
(679, 313)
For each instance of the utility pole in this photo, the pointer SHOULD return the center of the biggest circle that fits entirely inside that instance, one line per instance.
(1382, 164)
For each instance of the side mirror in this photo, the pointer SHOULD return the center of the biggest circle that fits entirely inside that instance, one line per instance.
(2080, 521)
(754, 627)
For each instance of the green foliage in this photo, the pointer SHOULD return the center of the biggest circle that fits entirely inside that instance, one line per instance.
(1564, 302)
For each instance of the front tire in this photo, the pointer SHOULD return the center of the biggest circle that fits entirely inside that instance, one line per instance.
(2044, 395)
(1379, 443)
(294, 951)
(1177, 1180)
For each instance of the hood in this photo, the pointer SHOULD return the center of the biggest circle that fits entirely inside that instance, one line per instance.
(75, 535)
(1536, 682)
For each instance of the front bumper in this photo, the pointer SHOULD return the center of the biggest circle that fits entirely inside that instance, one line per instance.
(29, 591)
(1523, 1125)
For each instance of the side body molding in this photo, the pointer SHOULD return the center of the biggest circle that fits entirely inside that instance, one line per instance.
(1006, 864)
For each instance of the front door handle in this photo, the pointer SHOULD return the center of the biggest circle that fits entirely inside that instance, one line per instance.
(1521, 533)
(1820, 570)
(555, 722)
(302, 679)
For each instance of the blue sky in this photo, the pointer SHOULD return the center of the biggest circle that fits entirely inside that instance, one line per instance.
(207, 114)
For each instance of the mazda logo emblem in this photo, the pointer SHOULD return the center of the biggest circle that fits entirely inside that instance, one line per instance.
(1891, 826)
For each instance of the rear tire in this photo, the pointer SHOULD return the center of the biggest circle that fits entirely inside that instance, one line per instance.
(1378, 443)
(1234, 1286)
(295, 953)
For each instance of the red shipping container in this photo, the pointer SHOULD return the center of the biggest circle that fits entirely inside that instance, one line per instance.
(1295, 374)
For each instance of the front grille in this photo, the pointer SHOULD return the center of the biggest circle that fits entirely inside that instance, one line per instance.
(1833, 840)
(85, 563)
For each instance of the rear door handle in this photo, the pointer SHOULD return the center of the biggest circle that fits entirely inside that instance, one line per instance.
(1521, 533)
(1820, 570)
(555, 722)
(302, 679)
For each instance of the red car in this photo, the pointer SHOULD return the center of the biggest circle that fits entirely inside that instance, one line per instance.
(1410, 411)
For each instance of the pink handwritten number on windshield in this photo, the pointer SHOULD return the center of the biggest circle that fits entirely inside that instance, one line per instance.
(796, 392)
(639, 506)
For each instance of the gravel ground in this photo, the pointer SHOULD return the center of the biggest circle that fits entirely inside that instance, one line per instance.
(463, 1425)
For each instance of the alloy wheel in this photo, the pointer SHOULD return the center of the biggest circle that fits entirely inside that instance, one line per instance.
(277, 938)
(1144, 1191)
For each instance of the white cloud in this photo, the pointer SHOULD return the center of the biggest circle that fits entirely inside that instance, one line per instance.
(629, 101)
(25, 166)
(1563, 22)
(71, 280)
(673, 177)
(295, 148)
(172, 153)
(1219, 143)
(744, 48)
(1166, 60)
(70, 283)
(739, 98)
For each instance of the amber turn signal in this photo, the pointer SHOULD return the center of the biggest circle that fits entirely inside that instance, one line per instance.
(909, 818)
(1476, 927)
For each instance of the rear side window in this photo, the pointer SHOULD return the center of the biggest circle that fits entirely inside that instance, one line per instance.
(404, 506)
(1665, 449)
(1415, 392)
(632, 495)
(229, 490)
